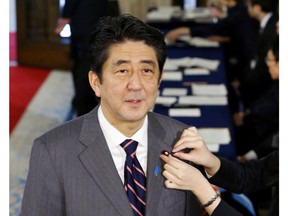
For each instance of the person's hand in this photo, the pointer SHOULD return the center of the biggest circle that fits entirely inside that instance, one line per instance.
(241, 158)
(172, 35)
(238, 118)
(220, 39)
(61, 24)
(181, 175)
(198, 151)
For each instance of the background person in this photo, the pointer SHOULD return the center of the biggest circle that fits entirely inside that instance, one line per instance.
(81, 15)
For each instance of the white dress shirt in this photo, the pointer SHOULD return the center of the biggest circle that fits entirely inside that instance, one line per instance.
(114, 138)
(264, 21)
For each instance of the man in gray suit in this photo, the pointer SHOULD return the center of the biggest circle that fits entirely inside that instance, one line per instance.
(77, 169)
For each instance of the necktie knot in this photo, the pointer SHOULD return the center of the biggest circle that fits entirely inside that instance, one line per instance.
(130, 147)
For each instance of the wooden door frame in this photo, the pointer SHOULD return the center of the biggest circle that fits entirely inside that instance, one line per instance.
(48, 54)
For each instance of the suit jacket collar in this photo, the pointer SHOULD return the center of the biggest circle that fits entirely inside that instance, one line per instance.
(98, 161)
(155, 180)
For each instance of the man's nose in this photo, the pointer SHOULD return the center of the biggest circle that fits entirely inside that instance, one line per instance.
(135, 81)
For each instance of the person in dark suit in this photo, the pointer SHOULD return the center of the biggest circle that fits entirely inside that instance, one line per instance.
(81, 16)
(256, 79)
(261, 120)
(78, 167)
(237, 177)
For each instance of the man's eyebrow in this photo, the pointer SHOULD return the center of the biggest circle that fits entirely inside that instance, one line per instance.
(151, 62)
(123, 61)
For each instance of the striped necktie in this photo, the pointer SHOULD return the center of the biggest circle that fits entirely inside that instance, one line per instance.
(134, 178)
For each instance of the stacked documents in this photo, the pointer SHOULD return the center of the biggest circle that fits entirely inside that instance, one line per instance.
(172, 76)
(196, 13)
(209, 89)
(198, 41)
(164, 13)
(174, 91)
(192, 62)
(203, 100)
(184, 112)
(214, 137)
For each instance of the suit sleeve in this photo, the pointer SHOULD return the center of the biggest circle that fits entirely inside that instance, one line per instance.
(224, 209)
(247, 177)
(42, 194)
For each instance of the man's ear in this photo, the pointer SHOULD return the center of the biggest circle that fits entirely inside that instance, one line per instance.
(94, 83)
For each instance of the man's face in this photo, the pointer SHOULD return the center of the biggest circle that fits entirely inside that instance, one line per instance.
(130, 81)
(252, 9)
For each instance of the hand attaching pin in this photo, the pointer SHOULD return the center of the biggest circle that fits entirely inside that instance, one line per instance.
(165, 152)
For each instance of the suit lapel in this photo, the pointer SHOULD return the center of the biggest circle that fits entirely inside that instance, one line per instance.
(98, 161)
(155, 180)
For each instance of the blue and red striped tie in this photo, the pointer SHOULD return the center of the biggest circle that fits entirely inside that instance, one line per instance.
(134, 178)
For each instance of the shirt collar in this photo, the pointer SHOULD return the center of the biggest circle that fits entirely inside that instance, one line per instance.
(115, 137)
(265, 20)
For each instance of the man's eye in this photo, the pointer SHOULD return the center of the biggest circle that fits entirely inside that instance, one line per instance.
(148, 71)
(122, 71)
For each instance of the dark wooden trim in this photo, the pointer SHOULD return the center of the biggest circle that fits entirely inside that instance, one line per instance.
(44, 49)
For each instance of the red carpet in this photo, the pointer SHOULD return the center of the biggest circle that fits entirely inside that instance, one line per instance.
(24, 83)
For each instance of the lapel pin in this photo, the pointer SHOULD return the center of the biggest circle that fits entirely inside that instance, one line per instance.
(156, 170)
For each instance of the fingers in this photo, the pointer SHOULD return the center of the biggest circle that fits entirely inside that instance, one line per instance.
(189, 139)
(172, 163)
(170, 184)
(173, 168)
(179, 174)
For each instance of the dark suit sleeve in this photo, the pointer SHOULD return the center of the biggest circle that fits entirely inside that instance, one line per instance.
(224, 209)
(42, 194)
(250, 176)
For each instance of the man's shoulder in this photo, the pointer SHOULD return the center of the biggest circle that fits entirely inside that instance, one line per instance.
(165, 121)
(63, 133)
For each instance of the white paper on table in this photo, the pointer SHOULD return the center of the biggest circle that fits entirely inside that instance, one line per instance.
(205, 63)
(203, 100)
(196, 71)
(209, 89)
(180, 62)
(215, 135)
(159, 15)
(165, 100)
(213, 147)
(198, 41)
(197, 13)
(184, 112)
(174, 91)
(172, 75)
(170, 66)
(163, 13)
(203, 42)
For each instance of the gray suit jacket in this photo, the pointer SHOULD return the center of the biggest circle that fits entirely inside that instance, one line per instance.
(72, 173)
